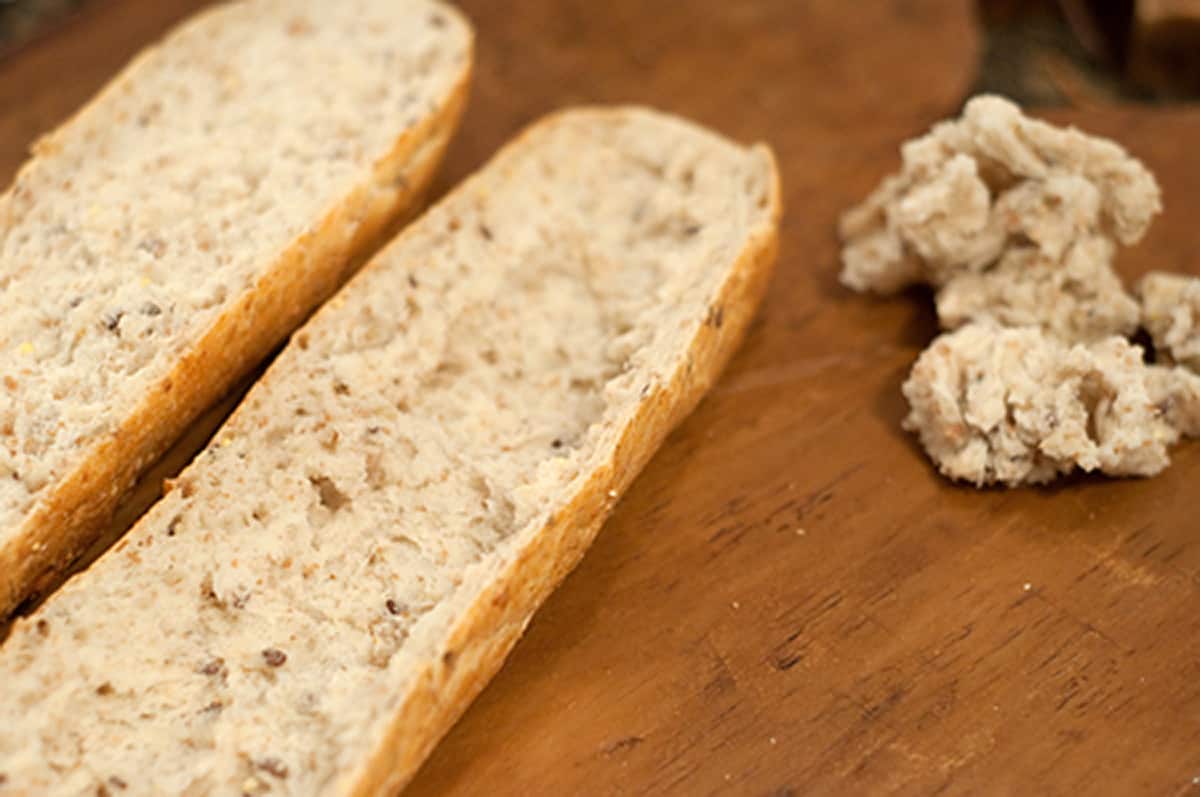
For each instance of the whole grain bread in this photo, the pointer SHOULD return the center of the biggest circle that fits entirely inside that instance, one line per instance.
(1014, 221)
(327, 587)
(167, 237)
(1017, 405)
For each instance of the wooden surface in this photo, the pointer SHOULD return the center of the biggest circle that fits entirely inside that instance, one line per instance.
(789, 600)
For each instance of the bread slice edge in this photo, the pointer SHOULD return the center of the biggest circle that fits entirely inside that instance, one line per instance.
(481, 638)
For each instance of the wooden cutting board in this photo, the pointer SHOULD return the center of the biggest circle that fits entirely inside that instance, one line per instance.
(789, 600)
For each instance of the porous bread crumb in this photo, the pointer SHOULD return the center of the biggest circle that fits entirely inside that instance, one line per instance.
(993, 189)
(172, 196)
(1017, 406)
(994, 180)
(1016, 224)
(400, 455)
(1171, 314)
(1078, 299)
(1175, 392)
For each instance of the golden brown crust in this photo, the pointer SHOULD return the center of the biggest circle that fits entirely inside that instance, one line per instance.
(75, 512)
(487, 632)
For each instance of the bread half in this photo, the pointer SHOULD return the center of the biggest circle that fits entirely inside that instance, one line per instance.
(166, 238)
(333, 580)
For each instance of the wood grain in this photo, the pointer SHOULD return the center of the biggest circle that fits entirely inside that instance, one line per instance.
(790, 600)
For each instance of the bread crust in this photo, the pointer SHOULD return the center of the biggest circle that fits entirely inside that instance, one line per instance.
(481, 639)
(76, 510)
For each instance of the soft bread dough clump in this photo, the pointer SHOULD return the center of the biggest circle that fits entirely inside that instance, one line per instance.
(1013, 220)
(1017, 406)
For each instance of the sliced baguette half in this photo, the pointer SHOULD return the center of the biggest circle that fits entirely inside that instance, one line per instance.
(165, 239)
(333, 580)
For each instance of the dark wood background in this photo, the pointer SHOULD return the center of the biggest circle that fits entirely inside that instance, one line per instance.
(789, 600)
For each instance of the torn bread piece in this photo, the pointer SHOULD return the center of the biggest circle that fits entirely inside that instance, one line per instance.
(1175, 392)
(170, 235)
(350, 560)
(994, 180)
(1171, 314)
(1079, 298)
(995, 189)
(1017, 406)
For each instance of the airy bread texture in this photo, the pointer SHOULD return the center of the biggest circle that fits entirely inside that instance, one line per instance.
(166, 238)
(326, 588)
(1171, 314)
(1017, 406)
(1015, 222)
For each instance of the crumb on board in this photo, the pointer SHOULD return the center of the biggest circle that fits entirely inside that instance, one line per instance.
(1016, 224)
(1016, 406)
(1171, 314)
(1011, 219)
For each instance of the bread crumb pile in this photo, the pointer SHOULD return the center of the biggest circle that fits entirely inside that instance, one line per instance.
(1015, 223)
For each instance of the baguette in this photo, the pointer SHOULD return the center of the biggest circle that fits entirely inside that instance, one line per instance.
(170, 235)
(331, 582)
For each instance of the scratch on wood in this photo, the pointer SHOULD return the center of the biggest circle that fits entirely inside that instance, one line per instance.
(723, 679)
(1069, 691)
(1091, 570)
(887, 593)
(824, 493)
(1026, 596)
(1083, 623)
(784, 661)
(940, 705)
(734, 528)
(1175, 554)
(1008, 639)
(872, 711)
(728, 509)
(1046, 662)
(726, 537)
(784, 656)
(623, 745)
